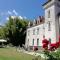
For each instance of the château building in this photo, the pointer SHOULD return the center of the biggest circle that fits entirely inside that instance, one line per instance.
(48, 26)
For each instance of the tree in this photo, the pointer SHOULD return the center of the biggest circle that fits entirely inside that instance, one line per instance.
(1, 33)
(15, 31)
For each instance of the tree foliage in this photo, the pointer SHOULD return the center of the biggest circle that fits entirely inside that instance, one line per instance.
(15, 31)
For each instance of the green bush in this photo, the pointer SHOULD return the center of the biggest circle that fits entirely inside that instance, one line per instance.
(53, 55)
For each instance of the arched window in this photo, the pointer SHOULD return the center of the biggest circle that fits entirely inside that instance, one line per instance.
(33, 42)
(49, 25)
(37, 30)
(37, 42)
(49, 14)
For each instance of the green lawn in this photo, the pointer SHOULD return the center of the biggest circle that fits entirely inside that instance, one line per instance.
(12, 54)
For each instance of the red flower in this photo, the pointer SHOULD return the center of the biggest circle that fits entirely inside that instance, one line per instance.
(45, 41)
(57, 44)
(54, 46)
(45, 45)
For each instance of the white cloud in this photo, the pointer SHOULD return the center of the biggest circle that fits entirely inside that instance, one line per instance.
(7, 18)
(9, 12)
(20, 17)
(14, 11)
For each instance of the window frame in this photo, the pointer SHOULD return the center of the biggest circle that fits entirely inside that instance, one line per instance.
(33, 42)
(49, 25)
(33, 31)
(37, 41)
(49, 14)
(37, 30)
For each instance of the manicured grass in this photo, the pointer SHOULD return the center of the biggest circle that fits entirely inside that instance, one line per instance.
(12, 54)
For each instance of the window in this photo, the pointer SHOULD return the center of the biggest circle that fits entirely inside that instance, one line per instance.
(43, 26)
(33, 42)
(28, 32)
(50, 40)
(28, 43)
(33, 31)
(49, 26)
(37, 42)
(49, 14)
(37, 31)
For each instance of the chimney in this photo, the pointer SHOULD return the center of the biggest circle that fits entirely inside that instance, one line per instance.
(42, 19)
(38, 20)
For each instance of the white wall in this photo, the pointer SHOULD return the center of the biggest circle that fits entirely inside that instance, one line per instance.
(50, 34)
(35, 37)
(57, 10)
(53, 34)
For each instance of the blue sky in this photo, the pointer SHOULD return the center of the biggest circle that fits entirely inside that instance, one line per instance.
(25, 8)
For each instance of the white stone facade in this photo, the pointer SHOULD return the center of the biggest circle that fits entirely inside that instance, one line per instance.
(49, 29)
